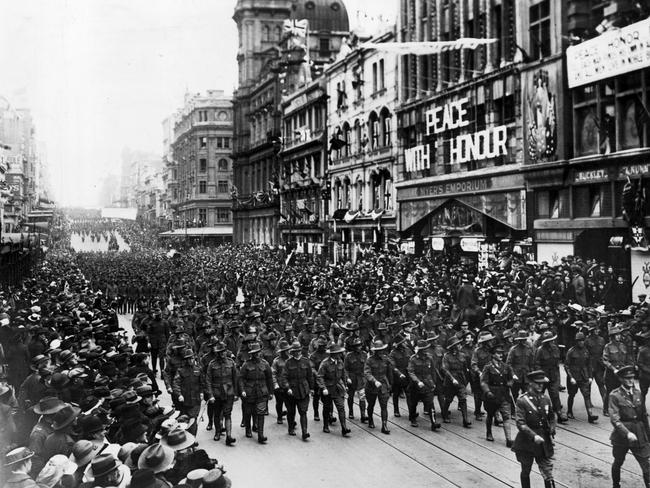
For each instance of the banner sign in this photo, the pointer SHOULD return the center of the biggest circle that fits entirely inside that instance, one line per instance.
(612, 53)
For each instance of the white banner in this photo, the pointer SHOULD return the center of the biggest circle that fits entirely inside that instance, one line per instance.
(427, 47)
(613, 53)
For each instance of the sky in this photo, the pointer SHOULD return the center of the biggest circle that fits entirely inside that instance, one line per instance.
(101, 75)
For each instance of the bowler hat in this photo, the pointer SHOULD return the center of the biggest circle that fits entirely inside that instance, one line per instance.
(90, 424)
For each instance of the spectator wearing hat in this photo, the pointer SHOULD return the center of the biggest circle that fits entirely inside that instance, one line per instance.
(535, 420)
(547, 359)
(83, 452)
(297, 380)
(332, 379)
(455, 370)
(255, 390)
(221, 386)
(46, 408)
(215, 478)
(34, 388)
(354, 362)
(187, 388)
(316, 358)
(422, 374)
(399, 358)
(18, 464)
(276, 370)
(58, 472)
(145, 478)
(61, 440)
(577, 365)
(106, 471)
(630, 421)
(615, 356)
(496, 381)
(158, 459)
(378, 373)
(521, 359)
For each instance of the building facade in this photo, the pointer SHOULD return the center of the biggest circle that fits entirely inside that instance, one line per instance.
(302, 187)
(362, 150)
(461, 189)
(201, 173)
(268, 58)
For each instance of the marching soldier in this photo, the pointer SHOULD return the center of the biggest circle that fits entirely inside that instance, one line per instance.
(204, 360)
(378, 372)
(354, 363)
(536, 427)
(643, 363)
(297, 380)
(422, 372)
(479, 359)
(316, 358)
(615, 356)
(399, 358)
(187, 388)
(454, 367)
(630, 420)
(496, 380)
(547, 359)
(520, 359)
(255, 386)
(595, 345)
(221, 384)
(276, 370)
(577, 365)
(332, 379)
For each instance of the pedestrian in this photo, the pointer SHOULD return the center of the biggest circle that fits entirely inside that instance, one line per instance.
(535, 420)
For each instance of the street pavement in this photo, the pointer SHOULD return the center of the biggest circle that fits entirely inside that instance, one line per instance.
(89, 245)
(414, 457)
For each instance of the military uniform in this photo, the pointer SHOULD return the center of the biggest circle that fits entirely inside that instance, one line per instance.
(595, 345)
(333, 378)
(298, 379)
(547, 359)
(278, 391)
(480, 358)
(399, 357)
(496, 379)
(422, 385)
(354, 363)
(534, 416)
(187, 385)
(378, 369)
(615, 356)
(643, 365)
(316, 358)
(221, 386)
(255, 386)
(520, 359)
(628, 415)
(577, 365)
(454, 368)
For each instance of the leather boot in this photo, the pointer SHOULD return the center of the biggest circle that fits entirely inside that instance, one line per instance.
(506, 431)
(616, 476)
(478, 403)
(344, 428)
(569, 408)
(463, 409)
(303, 426)
(434, 423)
(445, 412)
(384, 428)
(351, 408)
(255, 419)
(549, 483)
(326, 427)
(488, 428)
(371, 422)
(525, 480)
(247, 424)
(590, 413)
(260, 430)
(362, 408)
(230, 440)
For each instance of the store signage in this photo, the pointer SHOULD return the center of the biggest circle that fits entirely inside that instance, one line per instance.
(437, 243)
(613, 53)
(408, 247)
(453, 187)
(416, 158)
(484, 144)
(596, 174)
(633, 170)
(469, 244)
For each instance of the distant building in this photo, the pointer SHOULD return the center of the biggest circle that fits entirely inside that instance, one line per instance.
(199, 176)
(137, 167)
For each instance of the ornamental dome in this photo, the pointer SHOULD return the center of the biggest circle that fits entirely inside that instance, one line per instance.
(323, 15)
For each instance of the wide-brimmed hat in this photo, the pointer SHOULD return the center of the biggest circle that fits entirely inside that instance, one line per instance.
(485, 337)
(57, 466)
(548, 336)
(131, 397)
(90, 424)
(145, 478)
(335, 349)
(178, 439)
(537, 376)
(216, 479)
(102, 465)
(65, 416)
(350, 326)
(220, 346)
(83, 451)
(18, 455)
(157, 457)
(522, 335)
(617, 329)
(254, 347)
(453, 343)
(422, 344)
(378, 345)
(58, 381)
(295, 346)
(48, 406)
(283, 346)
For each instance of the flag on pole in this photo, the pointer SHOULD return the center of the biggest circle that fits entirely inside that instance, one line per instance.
(286, 263)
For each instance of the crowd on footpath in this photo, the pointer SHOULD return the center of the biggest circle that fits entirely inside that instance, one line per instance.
(244, 325)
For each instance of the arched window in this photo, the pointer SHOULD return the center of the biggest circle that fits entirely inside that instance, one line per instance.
(358, 135)
(278, 33)
(386, 126)
(388, 190)
(338, 193)
(347, 133)
(266, 33)
(346, 192)
(359, 193)
(373, 128)
(375, 185)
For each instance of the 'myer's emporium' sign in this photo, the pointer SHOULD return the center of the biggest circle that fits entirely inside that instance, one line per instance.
(473, 146)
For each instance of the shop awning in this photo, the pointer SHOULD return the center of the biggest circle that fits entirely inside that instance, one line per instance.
(225, 230)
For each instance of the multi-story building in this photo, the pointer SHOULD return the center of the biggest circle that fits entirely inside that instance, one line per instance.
(264, 65)
(304, 164)
(201, 174)
(590, 196)
(170, 171)
(137, 166)
(362, 149)
(461, 188)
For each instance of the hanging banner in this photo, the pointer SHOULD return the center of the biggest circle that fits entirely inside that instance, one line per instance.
(430, 47)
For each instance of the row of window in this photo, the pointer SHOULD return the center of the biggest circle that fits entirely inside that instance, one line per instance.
(223, 215)
(371, 135)
(222, 186)
(358, 82)
(353, 196)
(222, 165)
(219, 142)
